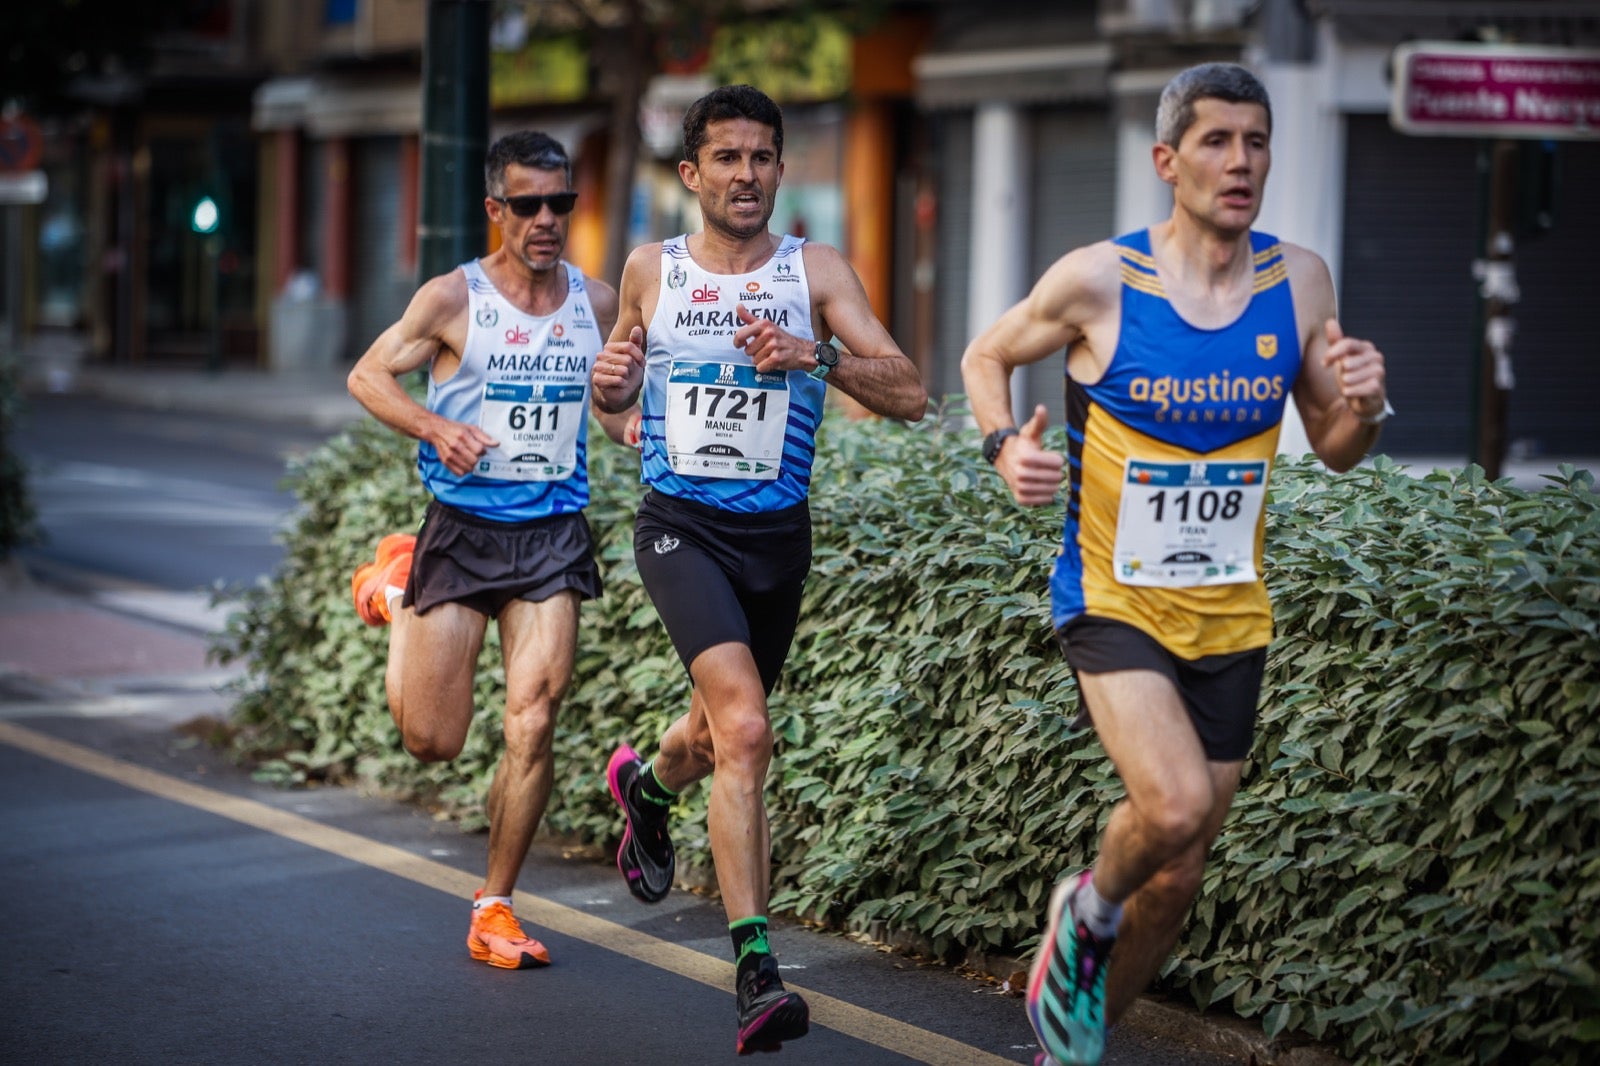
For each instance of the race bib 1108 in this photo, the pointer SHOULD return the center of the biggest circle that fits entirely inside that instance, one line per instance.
(1187, 524)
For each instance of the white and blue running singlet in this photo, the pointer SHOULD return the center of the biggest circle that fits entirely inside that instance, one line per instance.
(715, 431)
(524, 379)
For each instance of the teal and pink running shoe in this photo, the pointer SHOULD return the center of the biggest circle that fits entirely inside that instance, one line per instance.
(1067, 984)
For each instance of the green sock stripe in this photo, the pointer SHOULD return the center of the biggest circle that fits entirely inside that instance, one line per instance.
(651, 788)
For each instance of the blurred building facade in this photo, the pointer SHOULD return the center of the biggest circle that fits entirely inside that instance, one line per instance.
(951, 148)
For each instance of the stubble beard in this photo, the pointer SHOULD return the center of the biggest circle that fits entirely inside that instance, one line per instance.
(725, 225)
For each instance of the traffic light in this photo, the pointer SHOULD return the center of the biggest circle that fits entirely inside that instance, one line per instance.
(206, 216)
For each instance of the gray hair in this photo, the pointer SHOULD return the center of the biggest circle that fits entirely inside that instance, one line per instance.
(1208, 81)
(526, 148)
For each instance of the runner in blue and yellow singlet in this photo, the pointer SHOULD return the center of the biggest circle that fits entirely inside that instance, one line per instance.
(727, 333)
(1184, 343)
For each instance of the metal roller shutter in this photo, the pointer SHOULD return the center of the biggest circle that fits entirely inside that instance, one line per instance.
(1411, 234)
(1073, 203)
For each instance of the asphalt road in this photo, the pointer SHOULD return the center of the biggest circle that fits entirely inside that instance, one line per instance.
(163, 907)
(174, 500)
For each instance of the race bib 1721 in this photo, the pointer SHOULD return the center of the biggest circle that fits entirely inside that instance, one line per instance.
(726, 420)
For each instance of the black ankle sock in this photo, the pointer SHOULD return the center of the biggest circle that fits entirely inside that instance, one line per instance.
(651, 790)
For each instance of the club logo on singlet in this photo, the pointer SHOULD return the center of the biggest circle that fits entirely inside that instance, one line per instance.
(487, 317)
(1266, 345)
(676, 278)
(666, 543)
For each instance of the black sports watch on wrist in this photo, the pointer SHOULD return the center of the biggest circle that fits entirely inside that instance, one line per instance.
(994, 441)
(827, 357)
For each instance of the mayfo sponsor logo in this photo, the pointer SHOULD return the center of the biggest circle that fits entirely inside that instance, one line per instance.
(752, 293)
(1167, 392)
(705, 294)
(558, 338)
(518, 335)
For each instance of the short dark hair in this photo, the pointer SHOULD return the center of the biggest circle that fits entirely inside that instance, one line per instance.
(526, 148)
(729, 101)
(1208, 81)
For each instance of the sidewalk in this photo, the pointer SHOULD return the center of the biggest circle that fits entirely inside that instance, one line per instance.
(107, 652)
(315, 398)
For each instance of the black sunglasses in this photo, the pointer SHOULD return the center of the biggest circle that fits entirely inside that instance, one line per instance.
(529, 206)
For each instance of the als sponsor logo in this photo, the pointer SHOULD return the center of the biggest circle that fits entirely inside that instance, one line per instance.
(487, 317)
(705, 294)
(558, 329)
(518, 335)
(752, 293)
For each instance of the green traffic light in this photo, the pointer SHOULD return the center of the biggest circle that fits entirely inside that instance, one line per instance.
(206, 216)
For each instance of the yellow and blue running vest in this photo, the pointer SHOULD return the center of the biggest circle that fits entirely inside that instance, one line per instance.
(1168, 456)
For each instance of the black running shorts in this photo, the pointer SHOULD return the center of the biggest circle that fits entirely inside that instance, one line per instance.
(484, 565)
(1220, 691)
(719, 577)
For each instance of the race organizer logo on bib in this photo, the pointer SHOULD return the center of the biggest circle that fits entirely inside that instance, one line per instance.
(537, 427)
(1183, 525)
(726, 420)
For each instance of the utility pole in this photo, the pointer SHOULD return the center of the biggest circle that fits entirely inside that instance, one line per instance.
(1497, 286)
(455, 135)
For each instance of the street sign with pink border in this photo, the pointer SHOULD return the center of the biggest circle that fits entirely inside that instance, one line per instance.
(1454, 89)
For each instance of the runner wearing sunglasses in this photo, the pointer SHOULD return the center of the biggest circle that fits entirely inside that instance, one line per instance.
(509, 342)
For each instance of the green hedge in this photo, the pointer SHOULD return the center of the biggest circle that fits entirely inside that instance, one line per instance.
(1412, 872)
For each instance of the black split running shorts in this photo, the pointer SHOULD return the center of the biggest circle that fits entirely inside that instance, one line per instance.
(719, 577)
(484, 564)
(1219, 691)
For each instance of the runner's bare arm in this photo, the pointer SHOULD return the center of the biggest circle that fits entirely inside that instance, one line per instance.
(1342, 379)
(619, 368)
(872, 369)
(432, 329)
(1052, 316)
(618, 424)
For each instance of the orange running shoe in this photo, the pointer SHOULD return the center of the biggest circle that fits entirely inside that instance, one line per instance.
(497, 938)
(369, 584)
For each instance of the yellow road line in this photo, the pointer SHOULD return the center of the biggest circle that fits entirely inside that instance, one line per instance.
(867, 1026)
